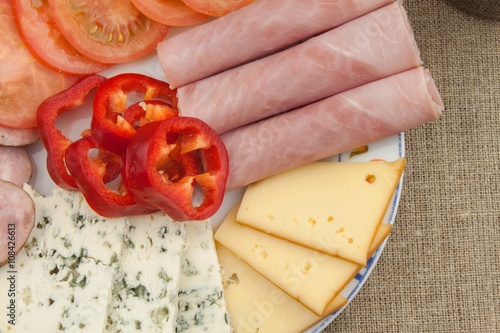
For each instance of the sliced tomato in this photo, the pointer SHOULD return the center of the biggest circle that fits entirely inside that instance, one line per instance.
(169, 12)
(109, 31)
(216, 7)
(43, 38)
(24, 81)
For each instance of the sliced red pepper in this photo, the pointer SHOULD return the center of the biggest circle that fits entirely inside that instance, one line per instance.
(145, 112)
(110, 127)
(167, 163)
(52, 138)
(89, 175)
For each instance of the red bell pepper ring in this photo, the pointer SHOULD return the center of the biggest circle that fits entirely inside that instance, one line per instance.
(109, 127)
(145, 112)
(89, 173)
(52, 138)
(161, 165)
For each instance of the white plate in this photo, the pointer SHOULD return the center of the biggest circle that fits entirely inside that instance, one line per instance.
(73, 122)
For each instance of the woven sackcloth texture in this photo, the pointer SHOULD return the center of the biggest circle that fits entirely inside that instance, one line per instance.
(483, 8)
(440, 270)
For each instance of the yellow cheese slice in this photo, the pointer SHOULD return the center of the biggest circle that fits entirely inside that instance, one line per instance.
(256, 305)
(382, 233)
(332, 207)
(338, 302)
(311, 277)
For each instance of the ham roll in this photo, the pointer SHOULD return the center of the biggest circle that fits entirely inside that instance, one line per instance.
(366, 49)
(354, 118)
(251, 32)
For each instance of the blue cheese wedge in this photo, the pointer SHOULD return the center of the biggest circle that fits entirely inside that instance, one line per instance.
(91, 298)
(40, 298)
(83, 247)
(202, 307)
(72, 229)
(65, 270)
(79, 272)
(145, 289)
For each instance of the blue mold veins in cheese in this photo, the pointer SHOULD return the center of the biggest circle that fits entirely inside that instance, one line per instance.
(79, 272)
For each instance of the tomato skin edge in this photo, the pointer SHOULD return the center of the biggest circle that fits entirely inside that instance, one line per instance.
(172, 13)
(21, 92)
(107, 53)
(216, 7)
(38, 48)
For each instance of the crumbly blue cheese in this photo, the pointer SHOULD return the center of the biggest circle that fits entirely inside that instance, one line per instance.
(54, 302)
(72, 229)
(81, 273)
(41, 301)
(144, 294)
(91, 298)
(65, 270)
(202, 307)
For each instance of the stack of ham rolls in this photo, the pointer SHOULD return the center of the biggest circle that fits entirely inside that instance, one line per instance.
(288, 82)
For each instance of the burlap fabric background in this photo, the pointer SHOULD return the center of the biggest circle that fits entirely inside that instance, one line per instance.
(440, 271)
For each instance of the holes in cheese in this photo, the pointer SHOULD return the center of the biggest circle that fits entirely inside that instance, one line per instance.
(371, 178)
(311, 277)
(308, 276)
(330, 207)
(255, 304)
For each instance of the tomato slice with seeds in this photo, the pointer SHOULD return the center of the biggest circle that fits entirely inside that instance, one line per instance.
(169, 12)
(109, 31)
(43, 38)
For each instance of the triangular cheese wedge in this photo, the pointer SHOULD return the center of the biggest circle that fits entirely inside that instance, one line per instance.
(311, 277)
(382, 233)
(332, 207)
(257, 305)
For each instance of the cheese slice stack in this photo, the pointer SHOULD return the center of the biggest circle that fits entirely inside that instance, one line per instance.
(334, 208)
(257, 305)
(308, 276)
(311, 277)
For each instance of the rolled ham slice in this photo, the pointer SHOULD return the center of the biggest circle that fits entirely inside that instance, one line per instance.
(366, 49)
(15, 165)
(18, 136)
(17, 218)
(251, 32)
(357, 117)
